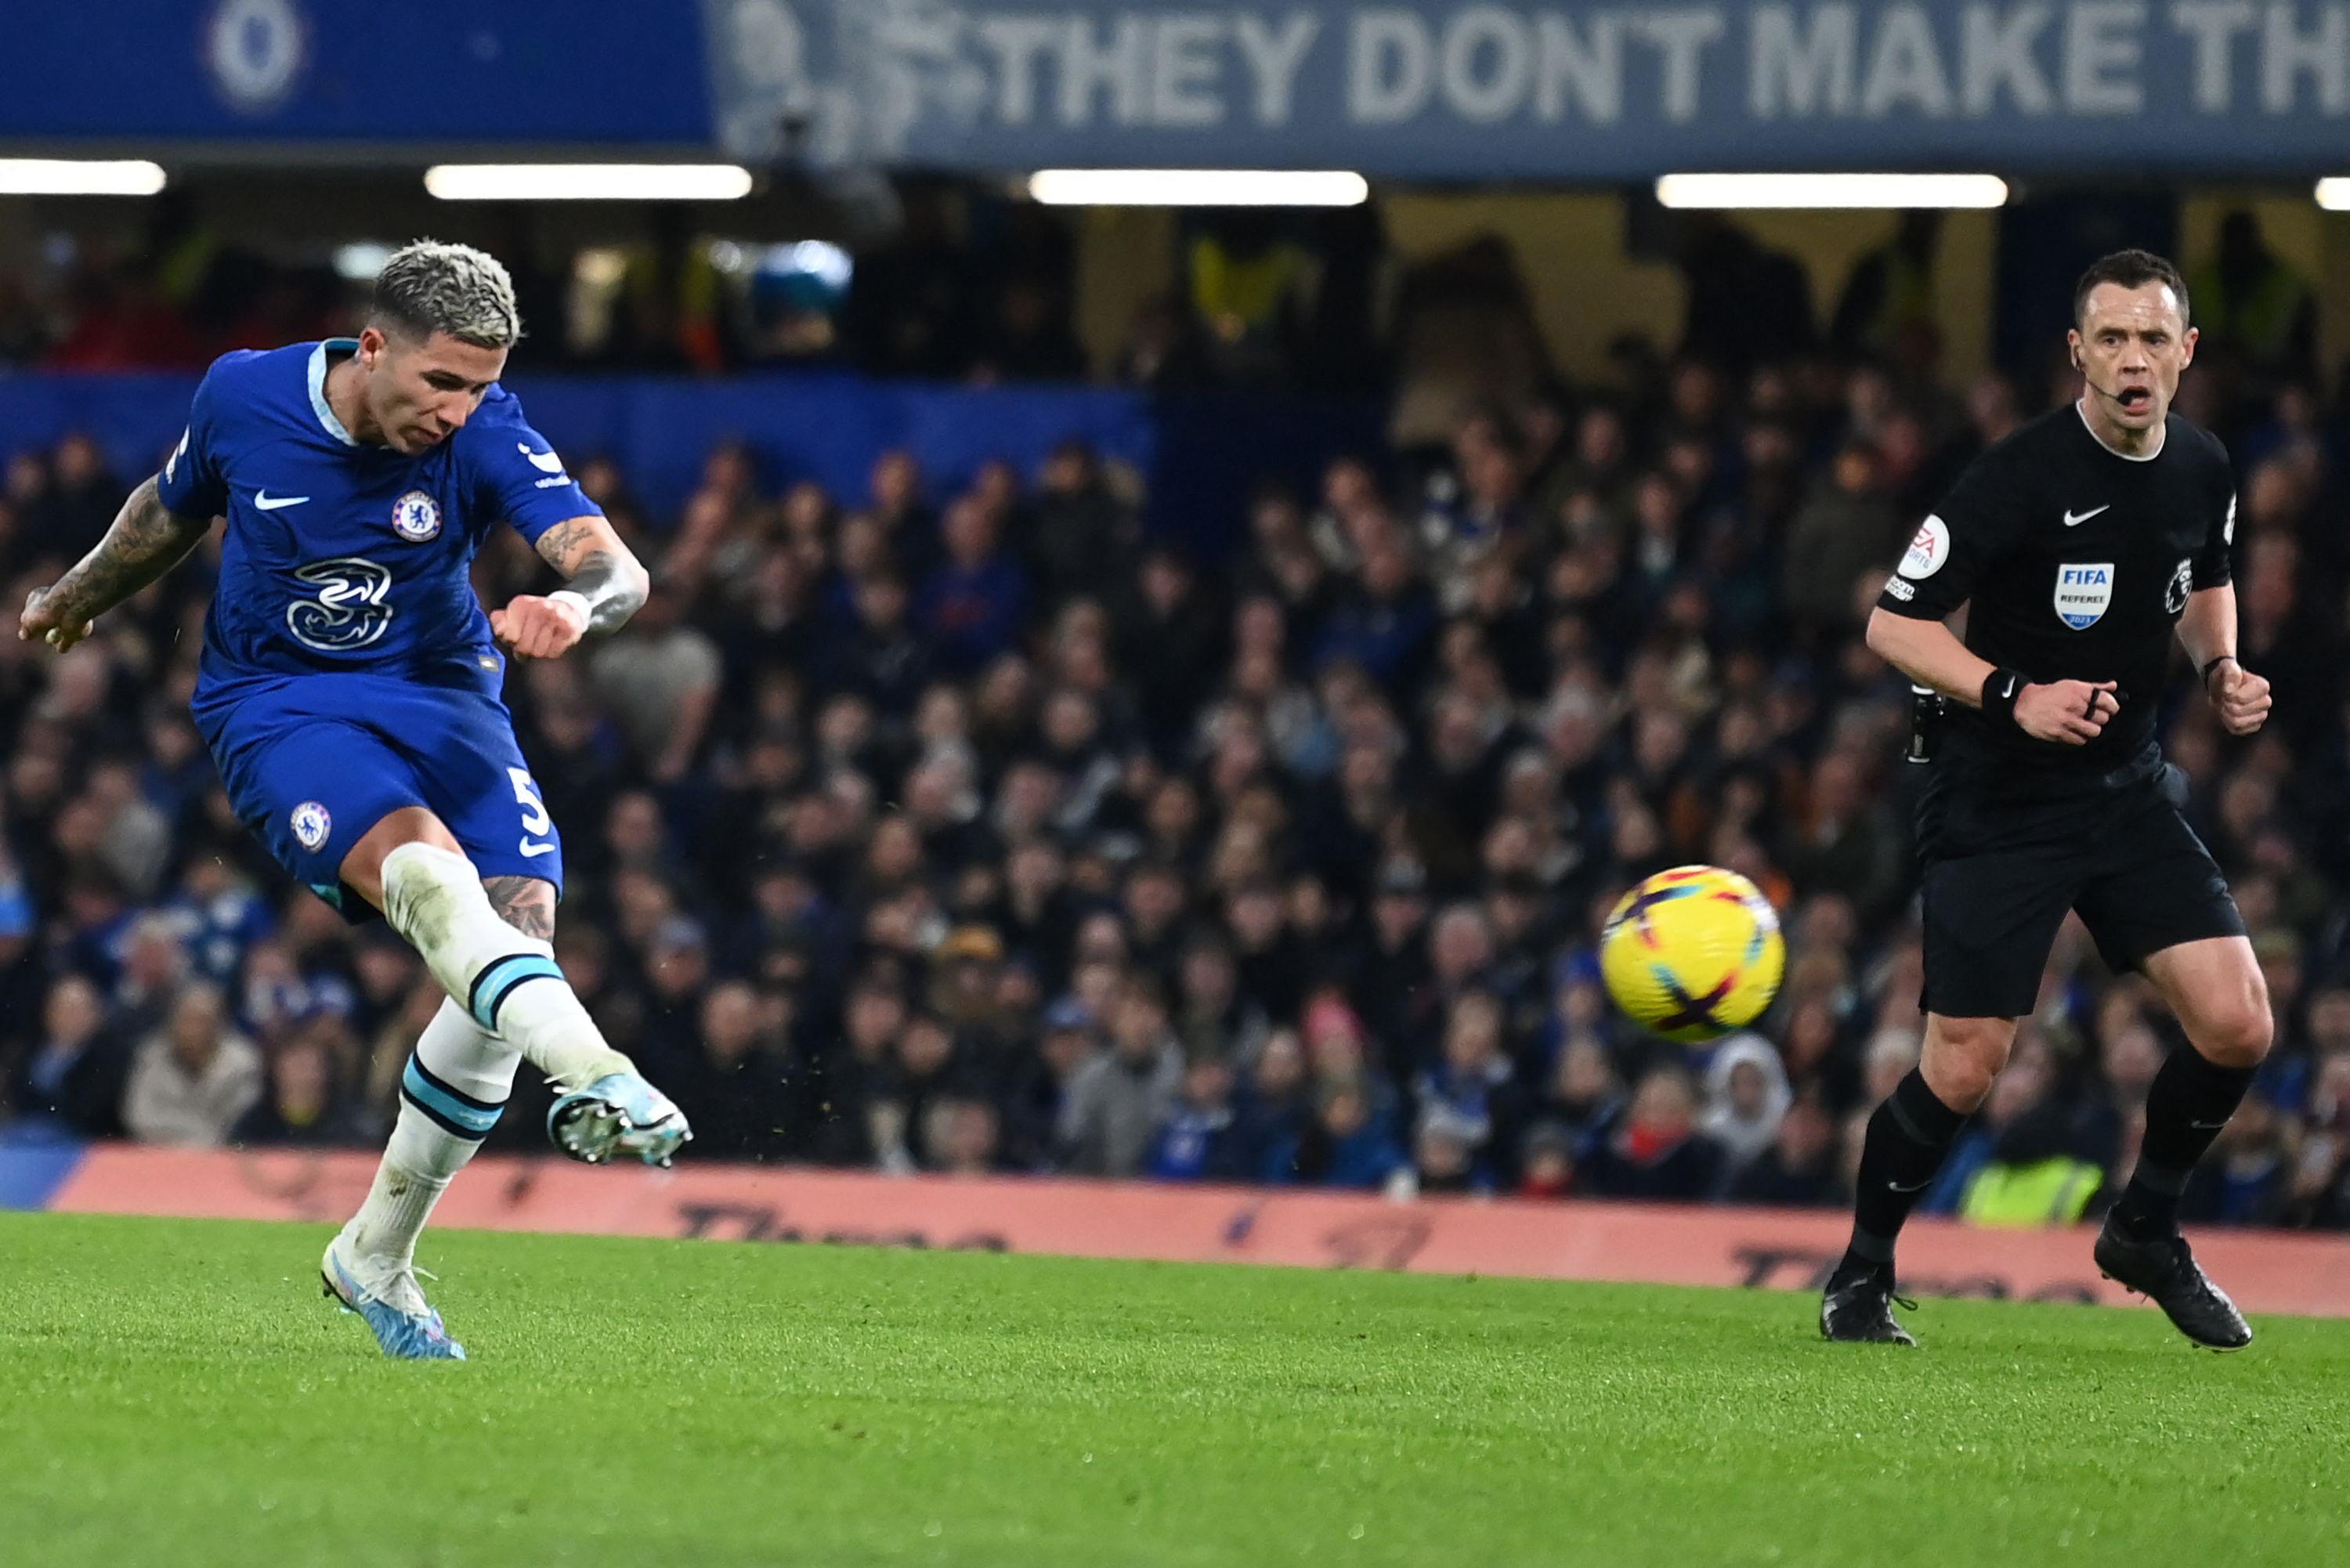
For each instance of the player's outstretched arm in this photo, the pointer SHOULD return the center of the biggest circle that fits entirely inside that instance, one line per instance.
(605, 584)
(147, 540)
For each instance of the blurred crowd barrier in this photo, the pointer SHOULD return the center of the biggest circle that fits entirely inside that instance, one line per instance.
(1661, 1244)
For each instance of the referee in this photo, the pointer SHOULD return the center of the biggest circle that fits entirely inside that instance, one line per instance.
(2082, 544)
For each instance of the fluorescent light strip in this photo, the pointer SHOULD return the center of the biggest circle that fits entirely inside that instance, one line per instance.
(1198, 188)
(587, 182)
(2333, 194)
(1757, 190)
(79, 177)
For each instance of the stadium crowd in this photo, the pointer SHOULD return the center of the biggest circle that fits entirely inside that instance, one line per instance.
(967, 827)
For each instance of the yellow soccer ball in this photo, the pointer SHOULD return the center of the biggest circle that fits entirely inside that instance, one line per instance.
(1693, 953)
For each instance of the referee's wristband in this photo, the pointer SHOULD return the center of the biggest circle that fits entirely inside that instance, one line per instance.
(2001, 688)
(2203, 676)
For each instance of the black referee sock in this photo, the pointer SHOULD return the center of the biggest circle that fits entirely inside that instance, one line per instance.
(2192, 1100)
(1907, 1137)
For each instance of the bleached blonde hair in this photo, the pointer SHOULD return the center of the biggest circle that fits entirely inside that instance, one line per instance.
(430, 286)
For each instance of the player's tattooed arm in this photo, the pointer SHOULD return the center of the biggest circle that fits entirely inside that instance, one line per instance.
(601, 570)
(147, 540)
(605, 585)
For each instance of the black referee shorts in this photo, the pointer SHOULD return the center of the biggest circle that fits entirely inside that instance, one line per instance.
(2001, 872)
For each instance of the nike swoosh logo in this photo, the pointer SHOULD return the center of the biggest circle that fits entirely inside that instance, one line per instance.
(268, 503)
(2009, 690)
(2072, 519)
(534, 849)
(1920, 1187)
(544, 461)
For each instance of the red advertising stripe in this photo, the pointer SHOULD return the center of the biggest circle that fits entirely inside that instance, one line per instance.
(2265, 1270)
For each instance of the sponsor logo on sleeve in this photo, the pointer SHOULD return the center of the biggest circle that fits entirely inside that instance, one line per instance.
(1898, 588)
(1928, 550)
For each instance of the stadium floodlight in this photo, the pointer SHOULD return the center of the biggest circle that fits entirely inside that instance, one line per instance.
(1847, 191)
(2333, 194)
(79, 177)
(1198, 188)
(588, 181)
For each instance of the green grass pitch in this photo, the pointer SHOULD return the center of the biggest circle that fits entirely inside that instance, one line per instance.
(178, 1393)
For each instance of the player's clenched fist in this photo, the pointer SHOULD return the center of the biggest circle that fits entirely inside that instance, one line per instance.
(2241, 697)
(2071, 711)
(536, 628)
(39, 620)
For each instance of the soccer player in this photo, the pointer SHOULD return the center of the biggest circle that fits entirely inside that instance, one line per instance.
(2083, 543)
(349, 693)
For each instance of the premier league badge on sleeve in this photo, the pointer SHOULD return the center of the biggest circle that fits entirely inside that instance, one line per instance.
(416, 516)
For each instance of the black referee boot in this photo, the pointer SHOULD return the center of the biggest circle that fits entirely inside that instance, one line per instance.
(2165, 1270)
(1857, 1307)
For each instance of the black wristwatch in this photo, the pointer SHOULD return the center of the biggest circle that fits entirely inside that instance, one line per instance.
(2203, 676)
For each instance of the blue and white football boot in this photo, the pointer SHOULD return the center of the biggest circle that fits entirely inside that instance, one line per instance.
(385, 1294)
(619, 1113)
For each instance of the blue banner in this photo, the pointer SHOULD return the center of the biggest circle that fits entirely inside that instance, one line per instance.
(820, 426)
(436, 73)
(1198, 455)
(1568, 91)
(1579, 90)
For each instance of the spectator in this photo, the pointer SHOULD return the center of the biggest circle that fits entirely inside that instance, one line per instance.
(1800, 1169)
(1845, 535)
(1547, 1162)
(660, 677)
(1118, 1099)
(1349, 1142)
(1659, 1152)
(961, 1138)
(1470, 1098)
(1746, 1095)
(191, 1081)
(75, 1074)
(310, 1099)
(974, 606)
(1198, 1141)
(740, 1077)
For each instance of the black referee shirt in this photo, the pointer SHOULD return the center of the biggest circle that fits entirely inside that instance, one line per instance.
(2077, 562)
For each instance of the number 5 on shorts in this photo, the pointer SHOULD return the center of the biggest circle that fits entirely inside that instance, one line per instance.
(533, 810)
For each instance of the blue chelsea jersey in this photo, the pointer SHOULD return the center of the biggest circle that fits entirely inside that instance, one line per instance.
(343, 557)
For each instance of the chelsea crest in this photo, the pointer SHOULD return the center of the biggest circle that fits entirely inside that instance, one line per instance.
(416, 516)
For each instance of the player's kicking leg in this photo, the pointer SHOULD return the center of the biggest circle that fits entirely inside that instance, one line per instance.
(1907, 1137)
(2216, 989)
(507, 980)
(488, 944)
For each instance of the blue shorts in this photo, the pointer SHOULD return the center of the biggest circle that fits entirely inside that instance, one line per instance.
(312, 761)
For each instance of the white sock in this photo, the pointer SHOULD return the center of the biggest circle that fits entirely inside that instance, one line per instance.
(450, 1097)
(506, 981)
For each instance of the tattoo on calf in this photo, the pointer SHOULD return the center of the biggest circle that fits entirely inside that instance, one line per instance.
(525, 903)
